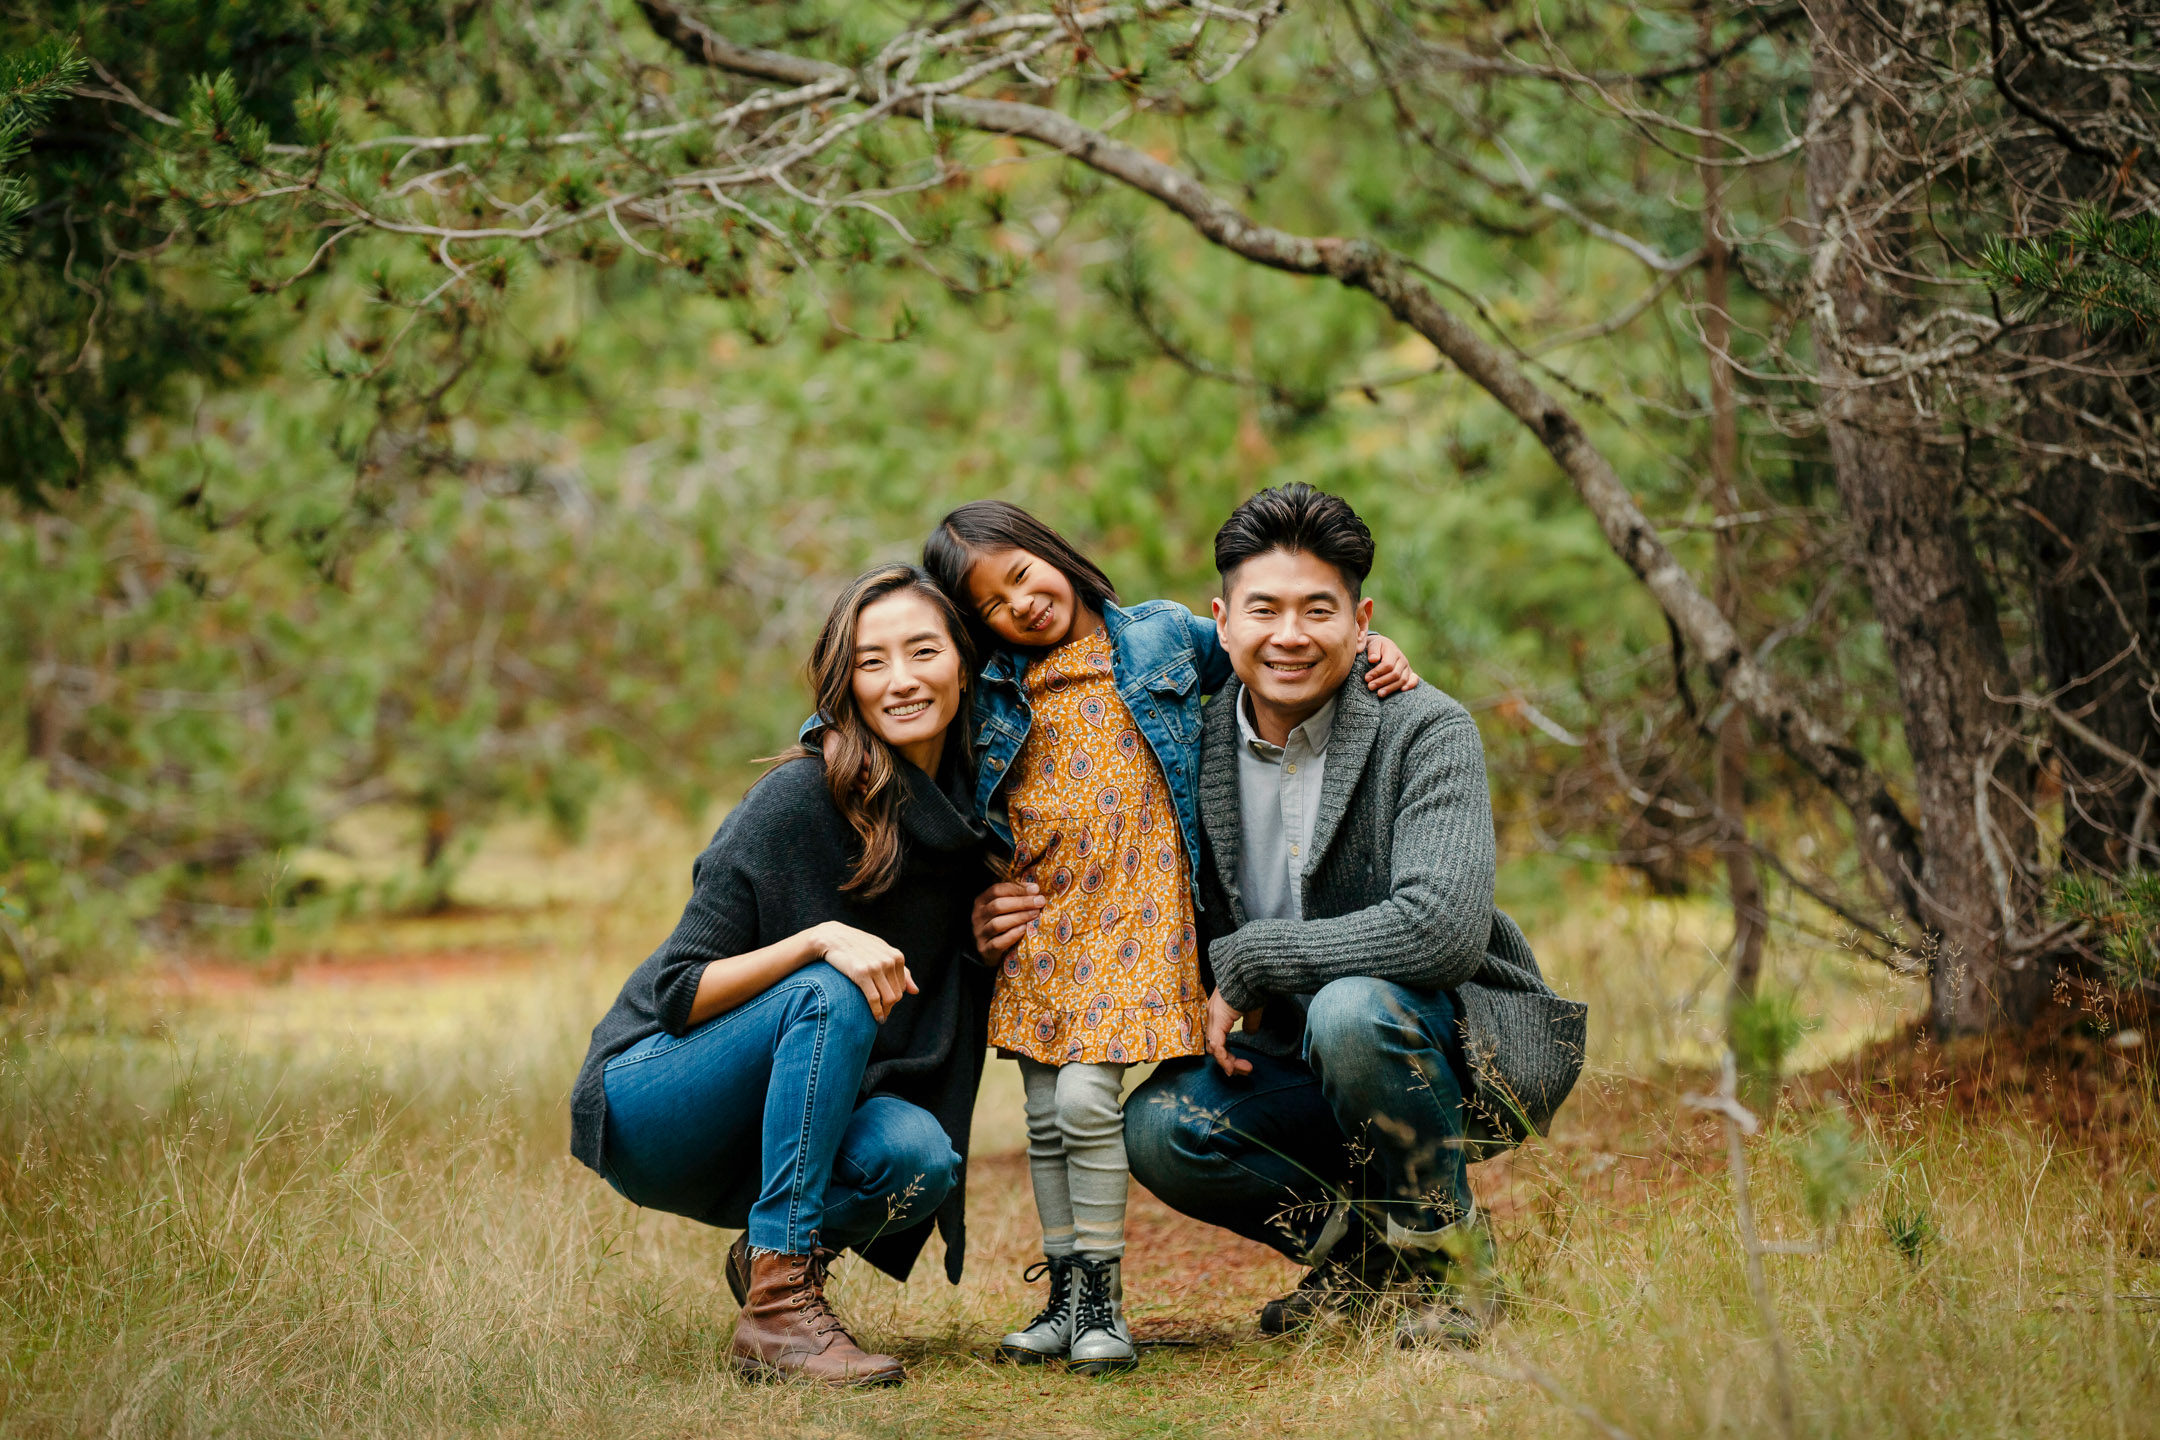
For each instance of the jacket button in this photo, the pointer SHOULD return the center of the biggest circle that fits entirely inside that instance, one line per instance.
(996, 764)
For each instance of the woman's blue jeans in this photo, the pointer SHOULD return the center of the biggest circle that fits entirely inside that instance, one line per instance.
(751, 1121)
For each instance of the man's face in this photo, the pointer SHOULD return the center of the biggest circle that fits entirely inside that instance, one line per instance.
(1292, 631)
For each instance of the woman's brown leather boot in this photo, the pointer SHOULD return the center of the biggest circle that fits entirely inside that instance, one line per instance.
(786, 1328)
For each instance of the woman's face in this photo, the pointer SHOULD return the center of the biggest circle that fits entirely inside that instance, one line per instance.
(1024, 599)
(908, 676)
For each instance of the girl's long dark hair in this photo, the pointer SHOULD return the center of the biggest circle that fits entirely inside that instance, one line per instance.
(984, 527)
(863, 773)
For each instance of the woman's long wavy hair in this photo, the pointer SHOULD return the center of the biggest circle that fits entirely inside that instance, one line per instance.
(985, 527)
(863, 773)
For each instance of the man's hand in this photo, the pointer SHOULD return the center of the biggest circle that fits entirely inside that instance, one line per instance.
(1390, 670)
(1220, 1019)
(1002, 914)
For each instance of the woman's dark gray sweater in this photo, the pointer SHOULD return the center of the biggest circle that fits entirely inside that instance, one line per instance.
(775, 868)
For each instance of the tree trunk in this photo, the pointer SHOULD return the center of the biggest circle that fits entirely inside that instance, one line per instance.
(1938, 619)
(2092, 513)
(2094, 542)
(1743, 880)
(437, 827)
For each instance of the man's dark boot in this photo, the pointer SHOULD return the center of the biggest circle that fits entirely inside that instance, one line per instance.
(1459, 1290)
(1349, 1281)
(1331, 1290)
(737, 1269)
(1328, 1290)
(788, 1331)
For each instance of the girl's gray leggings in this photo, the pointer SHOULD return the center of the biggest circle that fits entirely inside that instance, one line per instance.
(1076, 1156)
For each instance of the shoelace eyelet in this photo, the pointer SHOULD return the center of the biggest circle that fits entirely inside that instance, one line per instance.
(1094, 1306)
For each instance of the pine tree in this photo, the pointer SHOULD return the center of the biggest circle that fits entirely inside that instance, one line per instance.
(2102, 270)
(30, 82)
(94, 339)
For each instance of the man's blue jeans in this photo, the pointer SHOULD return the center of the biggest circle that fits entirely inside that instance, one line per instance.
(751, 1121)
(1372, 1113)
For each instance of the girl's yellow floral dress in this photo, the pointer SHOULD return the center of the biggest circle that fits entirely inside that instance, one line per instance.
(1110, 972)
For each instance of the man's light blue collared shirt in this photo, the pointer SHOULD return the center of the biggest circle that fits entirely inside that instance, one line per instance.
(1278, 796)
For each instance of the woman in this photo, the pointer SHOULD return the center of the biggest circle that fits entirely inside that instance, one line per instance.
(800, 1058)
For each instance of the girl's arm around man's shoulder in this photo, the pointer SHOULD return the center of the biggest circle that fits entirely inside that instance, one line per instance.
(1196, 633)
(1168, 631)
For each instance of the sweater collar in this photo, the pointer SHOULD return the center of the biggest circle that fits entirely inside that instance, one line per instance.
(939, 810)
(1350, 743)
(1221, 819)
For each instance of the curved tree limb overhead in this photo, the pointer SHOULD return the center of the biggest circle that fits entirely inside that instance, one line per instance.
(1886, 834)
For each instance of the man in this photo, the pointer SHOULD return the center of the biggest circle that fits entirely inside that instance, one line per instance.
(1392, 1021)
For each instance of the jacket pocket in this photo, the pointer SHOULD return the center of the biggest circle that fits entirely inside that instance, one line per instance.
(1178, 679)
(1175, 692)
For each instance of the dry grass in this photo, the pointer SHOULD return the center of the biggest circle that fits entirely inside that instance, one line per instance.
(340, 1206)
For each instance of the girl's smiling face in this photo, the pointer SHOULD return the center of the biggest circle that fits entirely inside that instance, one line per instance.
(1023, 598)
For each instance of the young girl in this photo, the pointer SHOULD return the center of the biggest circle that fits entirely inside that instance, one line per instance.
(1087, 749)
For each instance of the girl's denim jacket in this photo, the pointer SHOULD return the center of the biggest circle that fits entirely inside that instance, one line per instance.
(1165, 660)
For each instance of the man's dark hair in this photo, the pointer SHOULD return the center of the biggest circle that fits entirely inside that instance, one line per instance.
(984, 527)
(1297, 517)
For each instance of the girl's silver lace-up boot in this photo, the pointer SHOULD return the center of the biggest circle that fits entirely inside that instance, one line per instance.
(1101, 1345)
(1049, 1335)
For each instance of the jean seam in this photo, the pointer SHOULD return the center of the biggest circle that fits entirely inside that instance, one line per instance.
(1218, 1122)
(1456, 1172)
(802, 1140)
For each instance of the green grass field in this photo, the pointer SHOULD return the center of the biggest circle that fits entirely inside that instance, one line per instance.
(326, 1193)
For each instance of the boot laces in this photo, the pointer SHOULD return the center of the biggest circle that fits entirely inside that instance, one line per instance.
(817, 1311)
(1094, 1287)
(1058, 1268)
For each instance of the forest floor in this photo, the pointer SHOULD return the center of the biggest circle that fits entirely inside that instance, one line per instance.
(324, 1192)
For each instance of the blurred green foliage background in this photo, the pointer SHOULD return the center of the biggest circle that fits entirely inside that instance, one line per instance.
(268, 559)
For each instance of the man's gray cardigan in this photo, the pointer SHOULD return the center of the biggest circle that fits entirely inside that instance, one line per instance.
(1398, 885)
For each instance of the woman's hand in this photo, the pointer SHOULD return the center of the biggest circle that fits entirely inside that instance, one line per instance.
(877, 969)
(1390, 670)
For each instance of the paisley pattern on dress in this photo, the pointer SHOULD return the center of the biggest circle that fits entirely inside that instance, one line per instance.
(1110, 972)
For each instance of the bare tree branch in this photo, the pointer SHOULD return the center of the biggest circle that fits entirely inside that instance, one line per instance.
(1886, 835)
